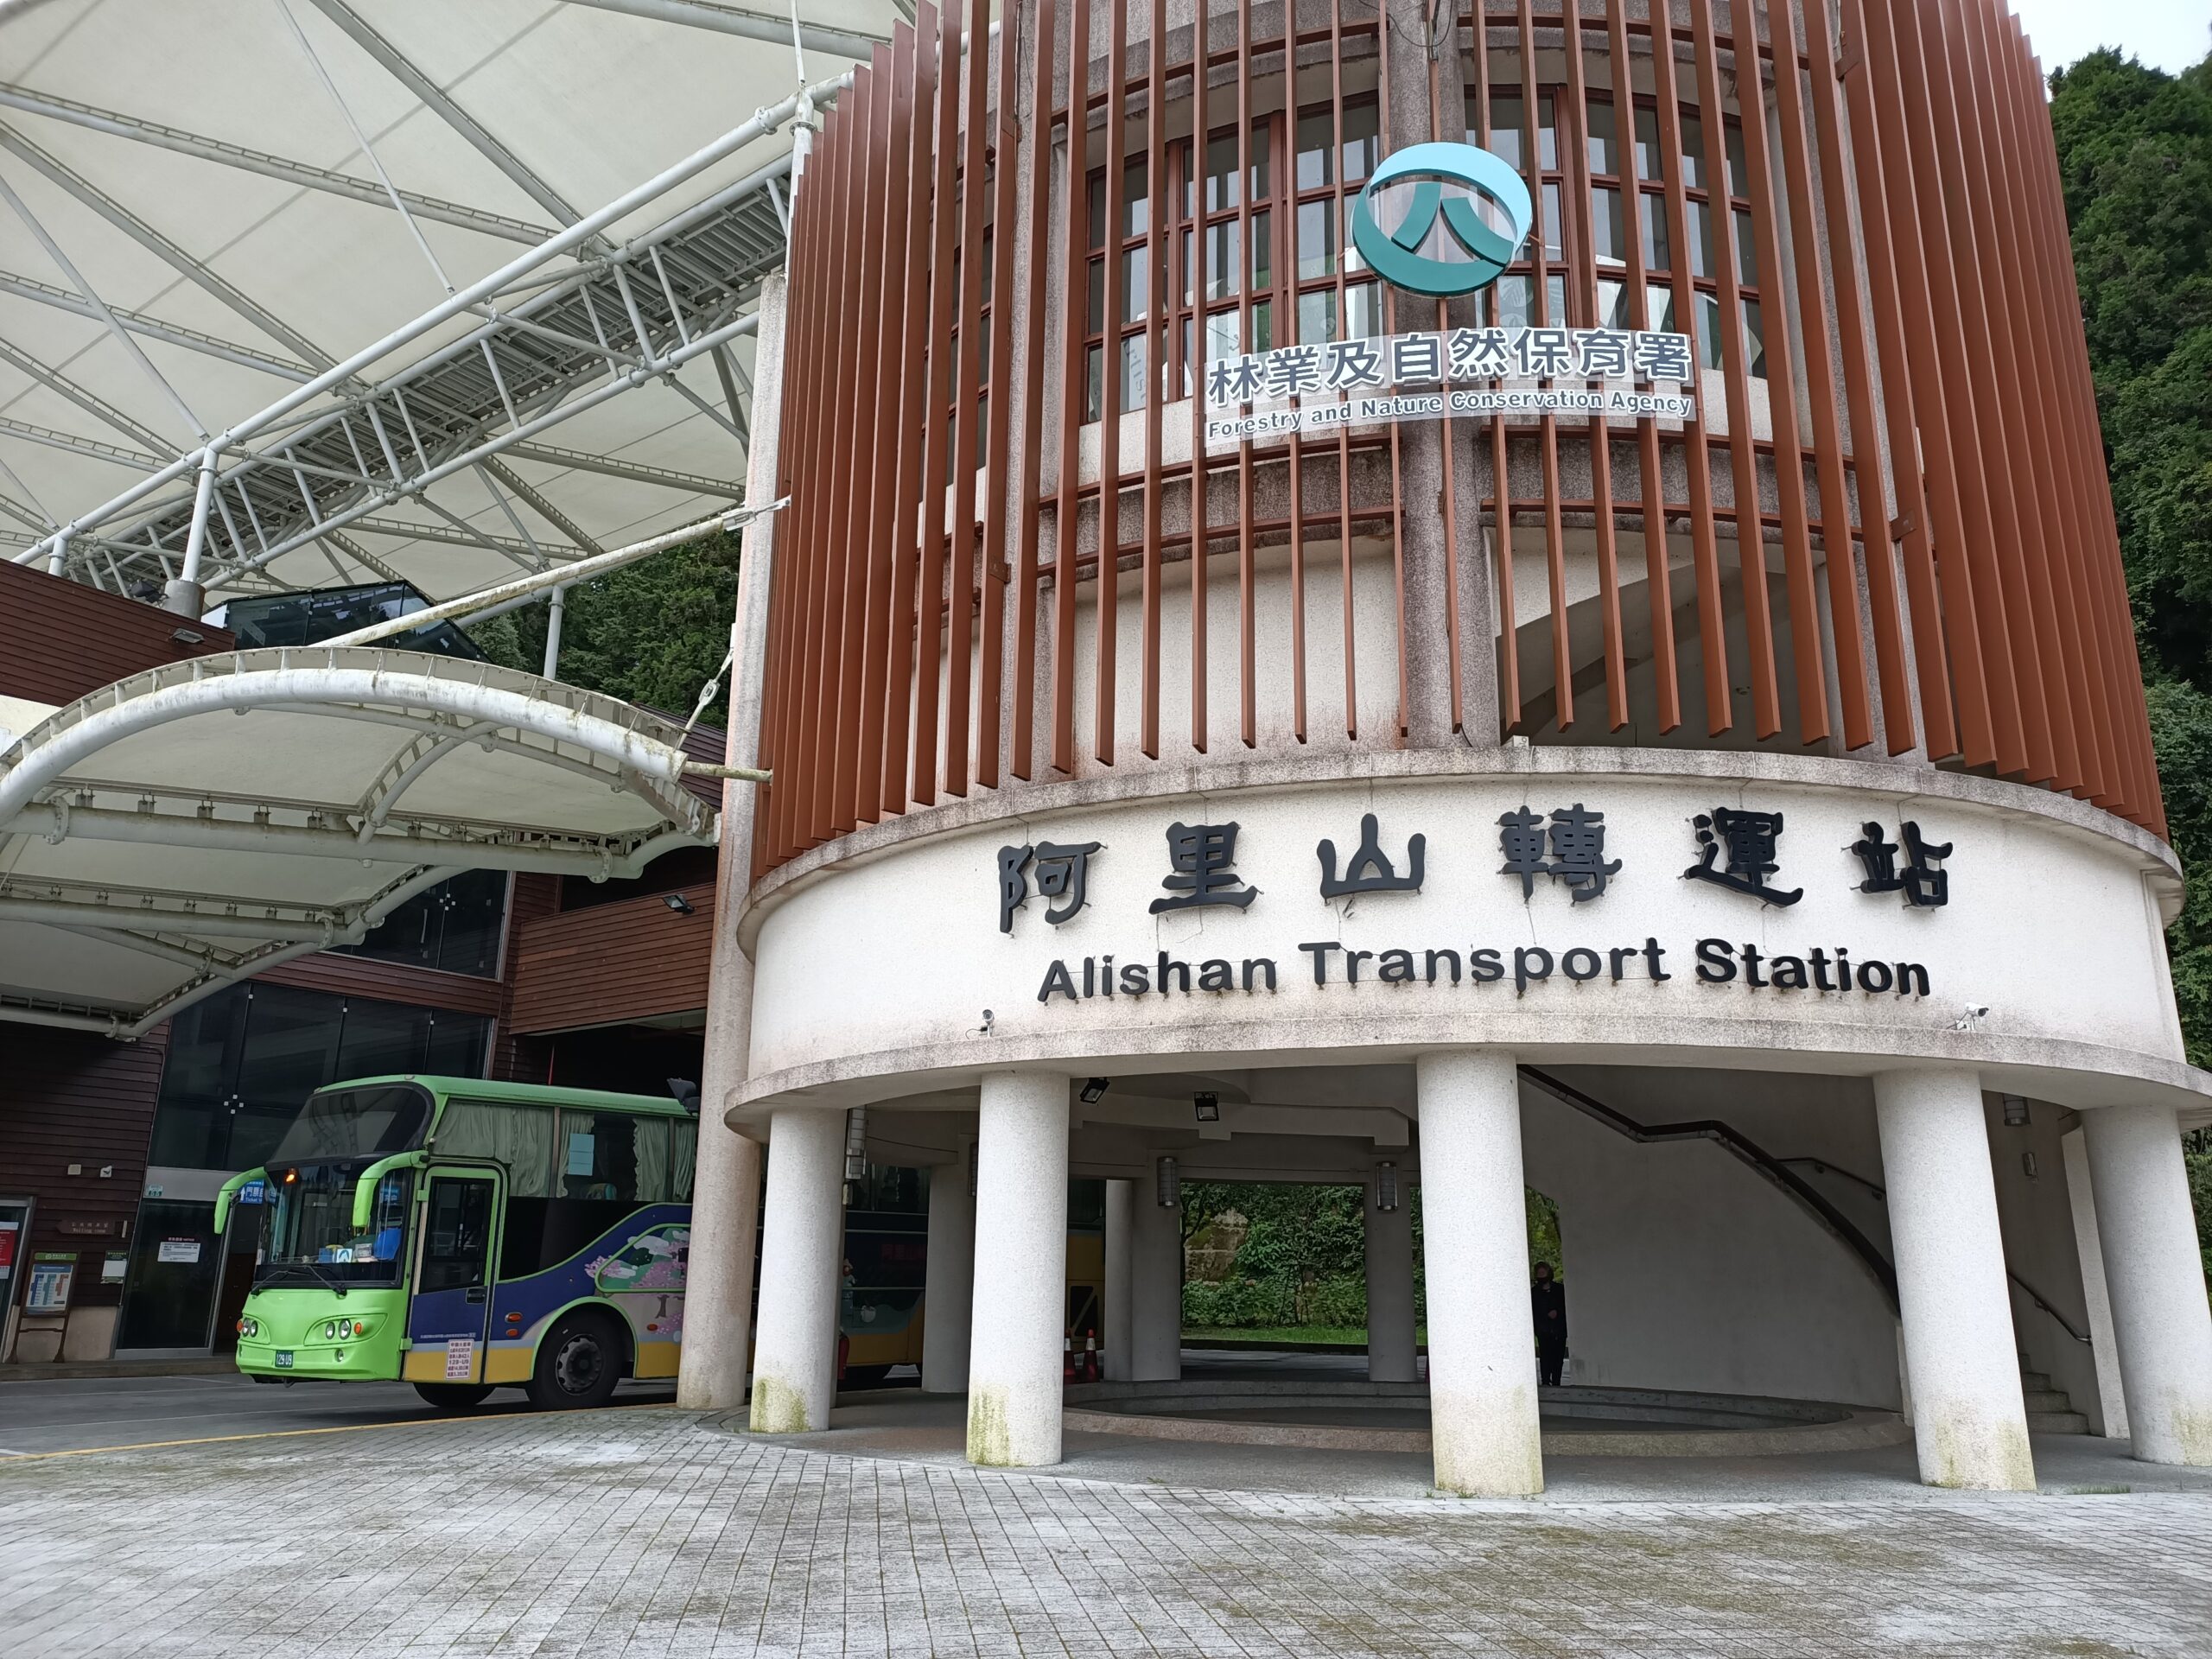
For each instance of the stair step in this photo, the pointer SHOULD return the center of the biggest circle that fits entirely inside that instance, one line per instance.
(2035, 1381)
(2057, 1422)
(2047, 1400)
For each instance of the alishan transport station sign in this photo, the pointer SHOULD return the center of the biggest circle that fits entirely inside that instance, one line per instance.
(1462, 214)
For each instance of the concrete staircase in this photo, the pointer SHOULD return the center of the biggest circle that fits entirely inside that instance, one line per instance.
(2051, 1411)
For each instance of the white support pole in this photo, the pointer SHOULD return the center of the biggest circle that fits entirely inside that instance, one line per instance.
(1392, 1354)
(949, 1288)
(184, 593)
(2148, 1231)
(556, 608)
(1021, 1245)
(2089, 1251)
(802, 1249)
(1481, 1344)
(1118, 1337)
(58, 564)
(726, 1194)
(1962, 1357)
(1155, 1288)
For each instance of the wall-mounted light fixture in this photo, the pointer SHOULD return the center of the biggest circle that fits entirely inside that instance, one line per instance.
(1209, 1107)
(1168, 1184)
(2028, 1164)
(1386, 1187)
(1093, 1090)
(677, 902)
(2016, 1111)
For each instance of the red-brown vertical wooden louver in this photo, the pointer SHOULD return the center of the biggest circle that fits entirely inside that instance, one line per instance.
(1852, 206)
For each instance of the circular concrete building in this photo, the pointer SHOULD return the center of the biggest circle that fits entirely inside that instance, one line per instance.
(1522, 598)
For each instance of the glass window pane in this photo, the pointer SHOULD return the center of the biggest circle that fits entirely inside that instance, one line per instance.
(1263, 326)
(1608, 239)
(1137, 301)
(1098, 209)
(1693, 169)
(1555, 295)
(456, 1236)
(1354, 260)
(1224, 334)
(1092, 387)
(1183, 251)
(1511, 297)
(1316, 149)
(1133, 355)
(598, 1157)
(1363, 141)
(1222, 263)
(1604, 155)
(1546, 132)
(456, 1047)
(1709, 348)
(1659, 307)
(1650, 160)
(1554, 248)
(1612, 305)
(1263, 251)
(1754, 341)
(1262, 174)
(1505, 119)
(1363, 311)
(987, 264)
(1658, 254)
(1136, 204)
(1701, 225)
(520, 1136)
(291, 1046)
(1747, 250)
(1317, 237)
(1739, 175)
(1317, 316)
(1095, 320)
(1189, 365)
(1221, 173)
(191, 1121)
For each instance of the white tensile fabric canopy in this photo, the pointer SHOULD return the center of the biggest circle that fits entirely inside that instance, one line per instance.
(180, 829)
(208, 209)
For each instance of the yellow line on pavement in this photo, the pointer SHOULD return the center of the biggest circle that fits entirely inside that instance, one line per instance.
(262, 1434)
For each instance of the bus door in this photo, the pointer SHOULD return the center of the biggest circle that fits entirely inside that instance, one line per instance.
(453, 1271)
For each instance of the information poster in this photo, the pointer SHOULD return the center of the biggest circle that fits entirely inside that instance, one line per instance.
(52, 1274)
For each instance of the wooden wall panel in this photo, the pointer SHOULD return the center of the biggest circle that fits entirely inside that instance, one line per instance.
(612, 963)
(61, 640)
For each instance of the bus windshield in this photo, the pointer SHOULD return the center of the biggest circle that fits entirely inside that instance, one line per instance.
(365, 1122)
(308, 1235)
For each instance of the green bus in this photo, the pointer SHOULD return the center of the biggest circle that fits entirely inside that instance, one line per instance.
(463, 1236)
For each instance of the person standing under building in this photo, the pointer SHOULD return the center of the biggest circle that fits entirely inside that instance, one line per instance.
(1548, 1302)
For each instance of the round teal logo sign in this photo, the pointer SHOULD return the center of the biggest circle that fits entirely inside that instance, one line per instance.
(1444, 244)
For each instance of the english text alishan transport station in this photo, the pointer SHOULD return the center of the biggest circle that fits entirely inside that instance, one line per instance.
(1461, 604)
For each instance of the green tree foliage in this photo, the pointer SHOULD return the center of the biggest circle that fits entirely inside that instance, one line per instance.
(2135, 157)
(652, 633)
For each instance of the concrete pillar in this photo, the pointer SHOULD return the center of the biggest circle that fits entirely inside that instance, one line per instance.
(1391, 1351)
(1021, 1253)
(2156, 1279)
(1482, 1341)
(1963, 1360)
(1121, 1198)
(2104, 1341)
(948, 1310)
(725, 1186)
(1155, 1288)
(802, 1252)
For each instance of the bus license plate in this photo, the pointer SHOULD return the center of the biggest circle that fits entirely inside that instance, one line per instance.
(284, 1360)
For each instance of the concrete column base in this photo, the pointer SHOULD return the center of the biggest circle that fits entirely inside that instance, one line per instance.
(1969, 1419)
(1022, 1252)
(2154, 1275)
(1482, 1341)
(802, 1249)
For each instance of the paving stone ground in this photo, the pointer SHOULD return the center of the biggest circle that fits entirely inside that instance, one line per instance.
(650, 1532)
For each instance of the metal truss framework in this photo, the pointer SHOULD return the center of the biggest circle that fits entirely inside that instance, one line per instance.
(65, 795)
(340, 451)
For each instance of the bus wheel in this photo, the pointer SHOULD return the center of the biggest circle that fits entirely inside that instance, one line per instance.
(578, 1364)
(454, 1396)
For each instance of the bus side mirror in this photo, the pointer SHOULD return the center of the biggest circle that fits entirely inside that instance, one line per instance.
(686, 1094)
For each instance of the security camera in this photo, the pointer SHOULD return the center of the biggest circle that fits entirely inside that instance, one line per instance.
(1969, 1014)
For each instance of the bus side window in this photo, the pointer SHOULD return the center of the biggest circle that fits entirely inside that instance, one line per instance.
(683, 1158)
(520, 1136)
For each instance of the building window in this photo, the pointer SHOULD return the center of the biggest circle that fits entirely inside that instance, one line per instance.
(455, 927)
(242, 1061)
